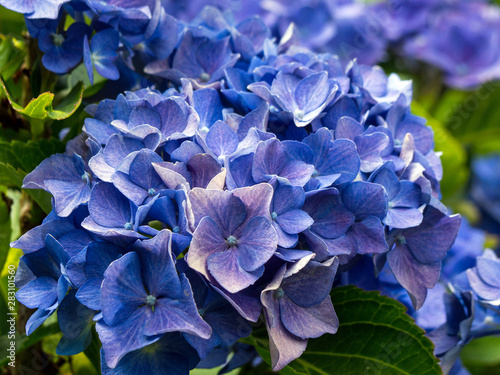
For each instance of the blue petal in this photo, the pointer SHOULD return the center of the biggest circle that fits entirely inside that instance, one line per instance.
(122, 291)
(76, 324)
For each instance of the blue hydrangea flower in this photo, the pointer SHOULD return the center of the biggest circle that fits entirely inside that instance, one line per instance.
(143, 296)
(416, 255)
(63, 51)
(234, 236)
(66, 178)
(484, 279)
(469, 56)
(305, 98)
(35, 9)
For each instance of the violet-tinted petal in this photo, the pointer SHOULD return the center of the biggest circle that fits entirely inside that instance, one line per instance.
(256, 199)
(226, 269)
(257, 243)
(207, 240)
(227, 210)
(203, 169)
(430, 241)
(312, 284)
(285, 239)
(331, 218)
(403, 217)
(221, 139)
(347, 128)
(284, 346)
(308, 322)
(414, 276)
(370, 148)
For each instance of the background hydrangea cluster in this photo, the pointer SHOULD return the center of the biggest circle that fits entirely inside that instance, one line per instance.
(237, 169)
(460, 38)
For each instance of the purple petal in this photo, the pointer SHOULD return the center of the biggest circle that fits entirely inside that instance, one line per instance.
(207, 240)
(331, 218)
(203, 169)
(221, 139)
(287, 197)
(284, 346)
(403, 217)
(312, 284)
(414, 276)
(257, 243)
(226, 269)
(257, 200)
(227, 210)
(430, 241)
(309, 322)
(285, 239)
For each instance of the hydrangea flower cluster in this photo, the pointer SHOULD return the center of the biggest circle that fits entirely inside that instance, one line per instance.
(233, 190)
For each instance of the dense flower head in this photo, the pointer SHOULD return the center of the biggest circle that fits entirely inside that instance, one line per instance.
(233, 187)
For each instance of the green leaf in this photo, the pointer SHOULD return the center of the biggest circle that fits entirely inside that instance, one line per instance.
(23, 342)
(375, 336)
(93, 351)
(28, 155)
(482, 356)
(9, 176)
(41, 107)
(19, 158)
(12, 54)
(5, 231)
(69, 104)
(11, 22)
(472, 116)
(454, 157)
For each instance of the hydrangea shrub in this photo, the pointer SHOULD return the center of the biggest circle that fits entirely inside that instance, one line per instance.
(237, 179)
